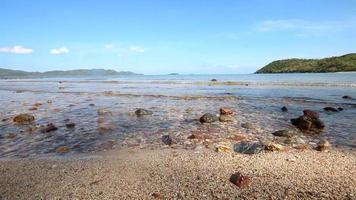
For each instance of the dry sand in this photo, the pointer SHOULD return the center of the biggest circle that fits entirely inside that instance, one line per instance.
(182, 174)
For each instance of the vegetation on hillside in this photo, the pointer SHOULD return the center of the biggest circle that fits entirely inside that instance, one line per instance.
(343, 63)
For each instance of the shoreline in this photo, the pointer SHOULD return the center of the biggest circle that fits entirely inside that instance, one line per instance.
(182, 174)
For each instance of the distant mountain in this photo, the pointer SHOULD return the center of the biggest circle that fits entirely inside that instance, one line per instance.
(343, 63)
(8, 73)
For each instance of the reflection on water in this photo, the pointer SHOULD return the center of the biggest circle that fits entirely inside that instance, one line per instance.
(103, 109)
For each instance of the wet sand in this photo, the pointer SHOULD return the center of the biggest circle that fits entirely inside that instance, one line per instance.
(181, 174)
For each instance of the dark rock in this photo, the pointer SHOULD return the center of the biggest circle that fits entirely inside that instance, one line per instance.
(208, 118)
(91, 104)
(248, 125)
(167, 139)
(311, 114)
(340, 109)
(140, 112)
(226, 111)
(302, 122)
(248, 147)
(70, 125)
(49, 128)
(226, 118)
(284, 133)
(284, 109)
(347, 97)
(199, 136)
(213, 80)
(24, 119)
(331, 109)
(318, 124)
(240, 180)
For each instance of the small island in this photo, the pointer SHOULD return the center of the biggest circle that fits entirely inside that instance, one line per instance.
(9, 73)
(345, 63)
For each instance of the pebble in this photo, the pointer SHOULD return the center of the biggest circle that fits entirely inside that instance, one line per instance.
(63, 149)
(323, 145)
(248, 147)
(141, 112)
(208, 118)
(24, 119)
(49, 128)
(248, 125)
(284, 109)
(240, 180)
(167, 140)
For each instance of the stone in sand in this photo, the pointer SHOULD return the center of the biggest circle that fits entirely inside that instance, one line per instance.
(167, 140)
(248, 125)
(240, 180)
(323, 145)
(141, 112)
(226, 118)
(226, 111)
(274, 147)
(208, 118)
(49, 128)
(331, 109)
(248, 147)
(24, 119)
(284, 133)
(284, 109)
(223, 148)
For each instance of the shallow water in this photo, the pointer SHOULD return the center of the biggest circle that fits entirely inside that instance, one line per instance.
(176, 101)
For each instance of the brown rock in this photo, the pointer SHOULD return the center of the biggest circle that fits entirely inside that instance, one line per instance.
(226, 111)
(70, 125)
(223, 148)
(208, 118)
(49, 128)
(274, 147)
(63, 149)
(226, 118)
(323, 145)
(24, 119)
(240, 180)
(311, 114)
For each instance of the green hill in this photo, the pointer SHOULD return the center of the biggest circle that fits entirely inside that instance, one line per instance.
(345, 63)
(8, 73)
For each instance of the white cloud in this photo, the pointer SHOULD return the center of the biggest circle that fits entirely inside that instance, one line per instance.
(136, 49)
(17, 49)
(109, 46)
(58, 51)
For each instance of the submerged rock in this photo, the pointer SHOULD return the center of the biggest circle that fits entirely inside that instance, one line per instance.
(213, 80)
(285, 133)
(63, 149)
(340, 109)
(226, 111)
(331, 109)
(248, 147)
(309, 121)
(167, 140)
(141, 112)
(347, 97)
(248, 125)
(208, 118)
(284, 109)
(24, 119)
(240, 180)
(70, 125)
(49, 128)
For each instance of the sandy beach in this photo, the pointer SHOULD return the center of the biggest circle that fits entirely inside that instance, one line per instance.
(182, 174)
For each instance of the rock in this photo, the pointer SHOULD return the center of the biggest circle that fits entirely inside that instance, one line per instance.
(248, 147)
(208, 118)
(347, 97)
(311, 114)
(70, 125)
(167, 140)
(331, 109)
(104, 111)
(274, 147)
(226, 118)
(91, 104)
(49, 101)
(199, 136)
(240, 180)
(141, 112)
(37, 104)
(302, 122)
(284, 109)
(213, 80)
(323, 145)
(284, 133)
(49, 128)
(248, 125)
(223, 148)
(24, 119)
(156, 195)
(63, 149)
(340, 109)
(226, 111)
(33, 109)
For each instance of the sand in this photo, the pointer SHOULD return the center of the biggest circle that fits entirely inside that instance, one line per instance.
(181, 174)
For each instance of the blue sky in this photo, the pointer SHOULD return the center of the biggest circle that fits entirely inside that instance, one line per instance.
(184, 36)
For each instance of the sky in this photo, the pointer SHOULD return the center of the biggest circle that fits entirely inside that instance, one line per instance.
(180, 36)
